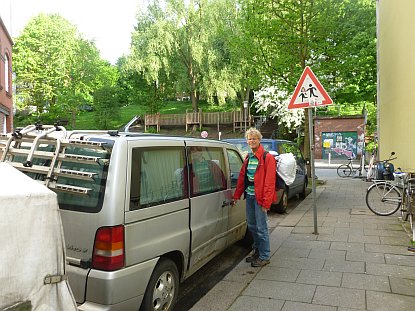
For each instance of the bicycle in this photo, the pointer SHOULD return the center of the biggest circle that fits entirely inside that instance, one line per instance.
(385, 195)
(345, 170)
(408, 209)
(371, 167)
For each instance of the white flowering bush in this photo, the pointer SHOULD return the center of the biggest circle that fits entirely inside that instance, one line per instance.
(275, 102)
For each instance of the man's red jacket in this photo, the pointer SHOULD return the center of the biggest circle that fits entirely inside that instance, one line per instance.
(264, 179)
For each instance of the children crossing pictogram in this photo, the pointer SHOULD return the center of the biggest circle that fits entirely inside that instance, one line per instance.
(309, 92)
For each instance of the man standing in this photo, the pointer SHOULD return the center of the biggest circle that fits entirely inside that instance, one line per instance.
(257, 182)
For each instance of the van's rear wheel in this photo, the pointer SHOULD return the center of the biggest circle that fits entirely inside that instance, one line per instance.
(163, 288)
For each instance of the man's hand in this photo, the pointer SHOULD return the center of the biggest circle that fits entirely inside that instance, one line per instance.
(233, 203)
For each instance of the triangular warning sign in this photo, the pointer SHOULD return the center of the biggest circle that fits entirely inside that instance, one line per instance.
(309, 92)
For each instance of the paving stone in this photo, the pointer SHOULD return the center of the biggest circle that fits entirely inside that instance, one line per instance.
(400, 260)
(332, 237)
(310, 229)
(365, 281)
(299, 306)
(392, 233)
(243, 273)
(387, 249)
(365, 256)
(292, 252)
(402, 286)
(327, 254)
(390, 270)
(302, 237)
(297, 263)
(220, 297)
(363, 239)
(336, 224)
(280, 290)
(363, 225)
(384, 226)
(307, 244)
(402, 240)
(341, 297)
(319, 277)
(245, 303)
(344, 266)
(347, 231)
(378, 301)
(347, 246)
(278, 274)
(354, 263)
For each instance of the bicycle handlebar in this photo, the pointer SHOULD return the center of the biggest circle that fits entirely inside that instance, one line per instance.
(386, 160)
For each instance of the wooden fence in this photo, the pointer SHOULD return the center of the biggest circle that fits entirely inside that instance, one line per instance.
(199, 118)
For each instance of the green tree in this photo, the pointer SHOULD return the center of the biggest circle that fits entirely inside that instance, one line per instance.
(335, 38)
(179, 43)
(56, 70)
(106, 104)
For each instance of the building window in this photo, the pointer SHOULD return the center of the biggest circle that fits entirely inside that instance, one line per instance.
(6, 74)
(2, 123)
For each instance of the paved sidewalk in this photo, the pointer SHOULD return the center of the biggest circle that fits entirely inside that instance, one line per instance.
(358, 261)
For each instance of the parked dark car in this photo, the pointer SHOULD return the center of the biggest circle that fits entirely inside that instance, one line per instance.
(299, 186)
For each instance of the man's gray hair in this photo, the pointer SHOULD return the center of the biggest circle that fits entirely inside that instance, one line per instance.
(253, 132)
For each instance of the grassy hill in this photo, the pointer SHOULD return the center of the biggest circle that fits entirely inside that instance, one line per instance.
(86, 119)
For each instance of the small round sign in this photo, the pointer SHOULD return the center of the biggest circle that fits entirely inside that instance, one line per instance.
(204, 134)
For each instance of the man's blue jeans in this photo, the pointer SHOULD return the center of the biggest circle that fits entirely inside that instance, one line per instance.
(257, 225)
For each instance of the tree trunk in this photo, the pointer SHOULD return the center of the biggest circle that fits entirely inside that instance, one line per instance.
(193, 94)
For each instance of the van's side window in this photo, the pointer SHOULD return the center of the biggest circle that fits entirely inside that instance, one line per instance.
(207, 167)
(235, 164)
(155, 178)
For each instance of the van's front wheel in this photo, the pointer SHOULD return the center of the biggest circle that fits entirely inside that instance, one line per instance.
(163, 288)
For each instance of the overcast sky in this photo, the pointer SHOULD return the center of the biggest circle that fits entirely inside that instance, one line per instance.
(108, 23)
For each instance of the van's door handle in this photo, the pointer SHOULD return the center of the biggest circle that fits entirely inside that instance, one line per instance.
(226, 203)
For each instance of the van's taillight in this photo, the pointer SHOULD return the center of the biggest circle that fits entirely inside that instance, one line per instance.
(109, 249)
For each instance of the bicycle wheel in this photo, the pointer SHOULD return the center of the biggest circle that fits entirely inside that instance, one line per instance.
(344, 170)
(383, 199)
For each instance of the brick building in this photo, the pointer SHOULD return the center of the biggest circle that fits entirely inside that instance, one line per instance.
(341, 137)
(6, 100)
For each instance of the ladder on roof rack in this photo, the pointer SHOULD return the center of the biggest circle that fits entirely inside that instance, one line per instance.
(22, 149)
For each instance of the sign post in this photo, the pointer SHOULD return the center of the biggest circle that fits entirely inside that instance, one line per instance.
(309, 93)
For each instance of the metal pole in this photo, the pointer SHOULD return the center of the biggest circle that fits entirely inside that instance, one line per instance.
(245, 117)
(313, 171)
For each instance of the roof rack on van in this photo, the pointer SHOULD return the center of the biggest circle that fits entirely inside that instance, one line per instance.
(40, 149)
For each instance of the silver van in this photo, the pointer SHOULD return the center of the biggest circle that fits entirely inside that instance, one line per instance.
(140, 213)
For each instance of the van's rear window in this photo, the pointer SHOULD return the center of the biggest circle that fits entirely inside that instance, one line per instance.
(91, 202)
